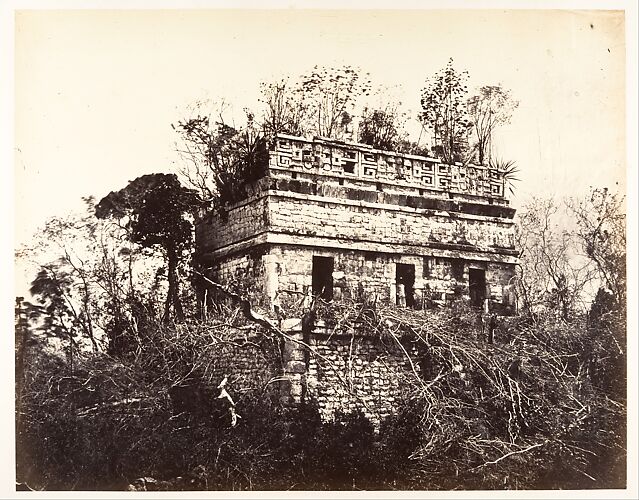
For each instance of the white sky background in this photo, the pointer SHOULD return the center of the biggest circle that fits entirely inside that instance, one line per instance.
(97, 91)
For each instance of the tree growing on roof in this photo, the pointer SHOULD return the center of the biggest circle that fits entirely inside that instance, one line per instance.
(330, 96)
(490, 108)
(284, 111)
(444, 112)
(381, 128)
(220, 159)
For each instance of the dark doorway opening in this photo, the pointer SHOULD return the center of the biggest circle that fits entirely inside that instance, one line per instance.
(405, 281)
(323, 277)
(477, 286)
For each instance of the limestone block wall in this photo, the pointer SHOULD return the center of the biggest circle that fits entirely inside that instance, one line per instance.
(239, 222)
(354, 273)
(251, 364)
(378, 190)
(313, 216)
(282, 275)
(444, 278)
(242, 273)
(357, 373)
(358, 274)
(344, 373)
(499, 280)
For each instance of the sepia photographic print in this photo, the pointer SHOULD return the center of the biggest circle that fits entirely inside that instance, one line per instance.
(302, 249)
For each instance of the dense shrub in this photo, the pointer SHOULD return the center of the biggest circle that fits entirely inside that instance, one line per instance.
(540, 407)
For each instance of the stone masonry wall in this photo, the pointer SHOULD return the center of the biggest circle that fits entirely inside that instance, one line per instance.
(282, 274)
(380, 191)
(357, 373)
(348, 372)
(242, 221)
(251, 364)
(322, 155)
(242, 273)
(311, 216)
(500, 283)
(369, 274)
(354, 272)
(444, 278)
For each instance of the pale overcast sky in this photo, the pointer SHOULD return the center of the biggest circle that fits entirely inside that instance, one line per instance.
(96, 91)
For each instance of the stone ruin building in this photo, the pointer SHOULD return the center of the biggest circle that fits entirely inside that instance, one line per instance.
(340, 220)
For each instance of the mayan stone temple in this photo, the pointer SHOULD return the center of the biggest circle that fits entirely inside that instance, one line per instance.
(340, 220)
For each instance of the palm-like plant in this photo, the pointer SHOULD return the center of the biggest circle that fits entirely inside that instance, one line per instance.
(509, 171)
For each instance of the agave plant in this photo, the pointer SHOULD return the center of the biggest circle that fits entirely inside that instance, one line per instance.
(509, 171)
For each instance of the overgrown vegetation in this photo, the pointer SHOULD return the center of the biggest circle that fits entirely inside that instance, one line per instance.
(533, 401)
(117, 379)
(156, 208)
(561, 266)
(222, 155)
(542, 406)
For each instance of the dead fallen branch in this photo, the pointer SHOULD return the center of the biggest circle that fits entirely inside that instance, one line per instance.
(503, 457)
